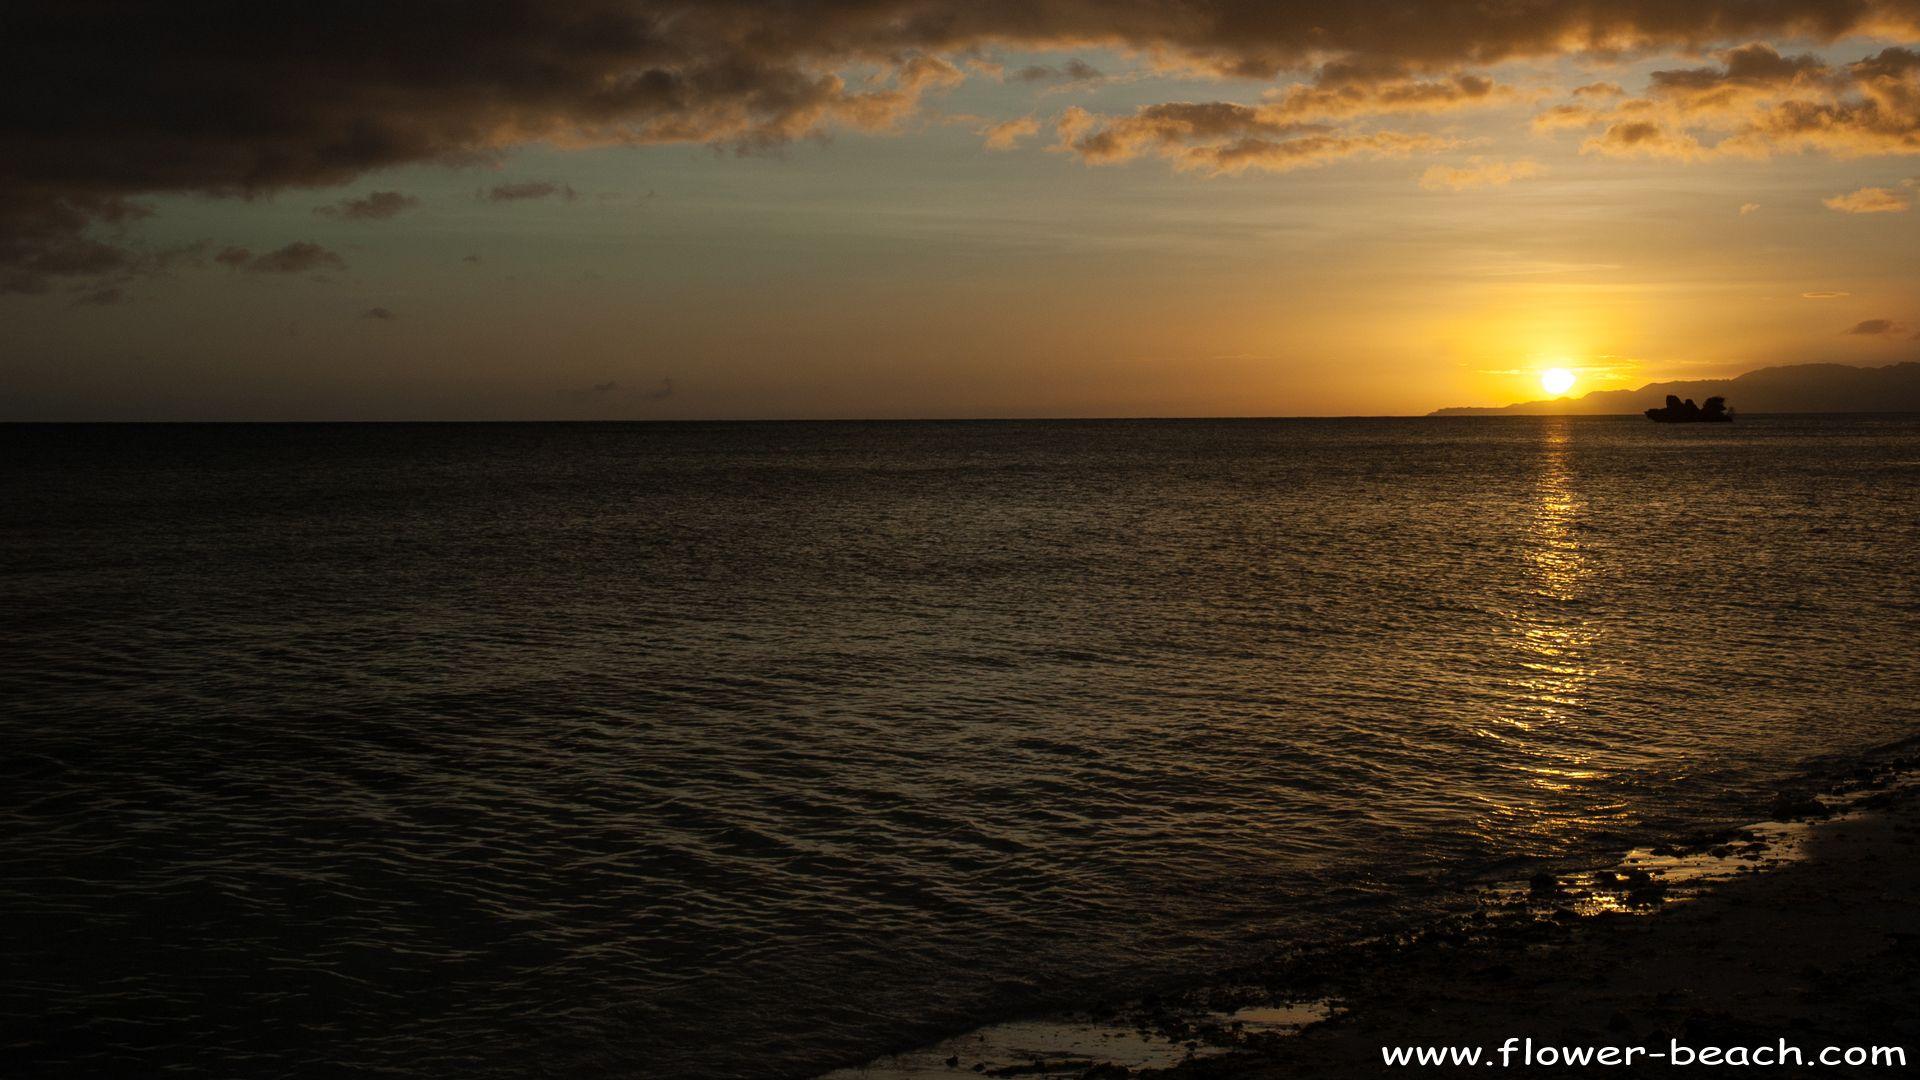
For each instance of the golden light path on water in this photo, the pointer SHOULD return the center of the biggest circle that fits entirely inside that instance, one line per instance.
(1540, 715)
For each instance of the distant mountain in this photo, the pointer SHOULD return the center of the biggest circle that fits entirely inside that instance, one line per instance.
(1810, 388)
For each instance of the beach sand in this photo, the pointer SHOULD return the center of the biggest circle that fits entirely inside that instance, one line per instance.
(1804, 929)
(1820, 951)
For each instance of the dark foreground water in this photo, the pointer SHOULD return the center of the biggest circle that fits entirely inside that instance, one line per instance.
(752, 750)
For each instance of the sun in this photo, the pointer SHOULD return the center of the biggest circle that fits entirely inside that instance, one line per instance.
(1556, 381)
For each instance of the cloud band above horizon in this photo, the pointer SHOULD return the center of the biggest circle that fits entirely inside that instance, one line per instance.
(106, 101)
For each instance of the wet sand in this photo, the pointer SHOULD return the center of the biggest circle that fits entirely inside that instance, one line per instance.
(1804, 928)
(1821, 951)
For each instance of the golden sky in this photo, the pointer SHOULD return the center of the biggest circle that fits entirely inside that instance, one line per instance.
(894, 209)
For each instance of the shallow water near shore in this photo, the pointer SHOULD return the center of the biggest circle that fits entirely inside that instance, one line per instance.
(1207, 1020)
(759, 750)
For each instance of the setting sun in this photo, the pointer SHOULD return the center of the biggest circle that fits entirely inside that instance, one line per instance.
(1556, 381)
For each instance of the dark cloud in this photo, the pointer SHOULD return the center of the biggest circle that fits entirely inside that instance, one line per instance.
(106, 100)
(74, 236)
(1073, 71)
(614, 391)
(1751, 66)
(102, 297)
(379, 313)
(1873, 327)
(297, 257)
(378, 206)
(537, 189)
(1220, 138)
(475, 259)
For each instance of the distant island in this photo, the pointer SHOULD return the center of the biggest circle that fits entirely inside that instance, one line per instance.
(1805, 388)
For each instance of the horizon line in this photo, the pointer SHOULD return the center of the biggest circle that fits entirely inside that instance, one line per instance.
(1491, 413)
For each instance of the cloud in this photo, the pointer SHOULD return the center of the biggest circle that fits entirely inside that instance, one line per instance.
(1074, 71)
(1823, 295)
(1600, 90)
(474, 259)
(1869, 200)
(1644, 138)
(1749, 208)
(379, 313)
(101, 104)
(76, 239)
(378, 206)
(1007, 135)
(297, 257)
(1218, 138)
(1478, 173)
(533, 189)
(1748, 71)
(1874, 327)
(1167, 127)
(1559, 117)
(102, 297)
(1339, 94)
(1759, 103)
(611, 390)
(1312, 151)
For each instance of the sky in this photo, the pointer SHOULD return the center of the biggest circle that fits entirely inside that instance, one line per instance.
(588, 209)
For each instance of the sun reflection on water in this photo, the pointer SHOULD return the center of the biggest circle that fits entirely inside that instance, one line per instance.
(1551, 640)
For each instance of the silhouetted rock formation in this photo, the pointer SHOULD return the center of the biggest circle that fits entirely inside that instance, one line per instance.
(1686, 412)
(1798, 388)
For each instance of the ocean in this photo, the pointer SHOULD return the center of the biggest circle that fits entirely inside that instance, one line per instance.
(754, 750)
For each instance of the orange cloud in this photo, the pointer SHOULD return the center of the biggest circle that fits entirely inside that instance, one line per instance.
(1360, 97)
(1007, 135)
(1869, 200)
(1567, 116)
(1644, 138)
(1310, 151)
(1478, 173)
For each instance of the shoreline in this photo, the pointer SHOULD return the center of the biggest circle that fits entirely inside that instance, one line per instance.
(1822, 951)
(1804, 929)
